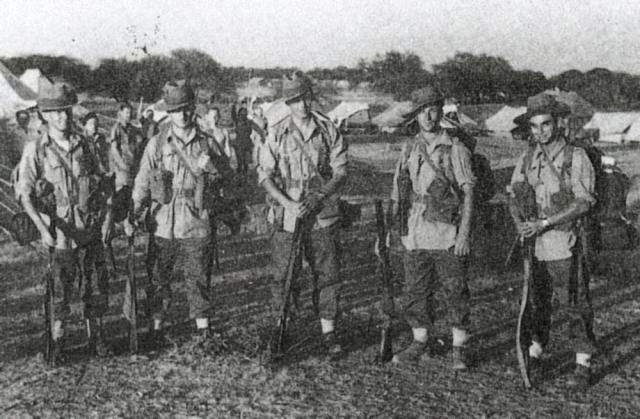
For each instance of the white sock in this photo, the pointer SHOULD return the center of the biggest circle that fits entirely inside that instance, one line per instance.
(58, 330)
(157, 324)
(419, 334)
(535, 349)
(583, 359)
(326, 325)
(202, 323)
(460, 337)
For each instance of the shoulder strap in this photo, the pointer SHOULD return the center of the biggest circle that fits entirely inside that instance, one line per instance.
(427, 158)
(183, 158)
(567, 161)
(528, 159)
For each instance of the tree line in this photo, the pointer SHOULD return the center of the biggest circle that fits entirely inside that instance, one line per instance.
(471, 78)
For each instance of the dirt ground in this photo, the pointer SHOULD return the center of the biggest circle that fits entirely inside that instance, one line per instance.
(230, 377)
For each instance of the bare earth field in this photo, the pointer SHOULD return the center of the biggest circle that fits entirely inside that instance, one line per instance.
(229, 377)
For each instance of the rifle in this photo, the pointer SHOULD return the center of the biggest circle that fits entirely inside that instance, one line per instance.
(382, 222)
(584, 274)
(404, 201)
(130, 305)
(49, 312)
(277, 341)
(525, 203)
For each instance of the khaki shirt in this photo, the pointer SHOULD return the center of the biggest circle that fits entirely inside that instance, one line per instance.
(127, 146)
(100, 149)
(178, 219)
(556, 244)
(39, 161)
(280, 157)
(455, 160)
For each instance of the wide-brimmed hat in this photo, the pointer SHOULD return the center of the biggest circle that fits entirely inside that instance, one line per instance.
(296, 86)
(56, 97)
(176, 95)
(425, 97)
(542, 104)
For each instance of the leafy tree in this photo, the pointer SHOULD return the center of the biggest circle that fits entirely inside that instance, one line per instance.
(396, 72)
(69, 69)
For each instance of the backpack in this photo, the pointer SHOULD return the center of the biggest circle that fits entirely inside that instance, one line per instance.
(485, 187)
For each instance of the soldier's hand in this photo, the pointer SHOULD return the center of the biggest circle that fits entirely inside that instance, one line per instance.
(462, 247)
(295, 208)
(312, 203)
(531, 228)
(47, 239)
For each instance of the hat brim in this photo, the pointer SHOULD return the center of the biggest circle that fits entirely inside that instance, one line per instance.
(419, 108)
(53, 107)
(164, 107)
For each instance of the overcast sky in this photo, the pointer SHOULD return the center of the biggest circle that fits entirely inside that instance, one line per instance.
(544, 35)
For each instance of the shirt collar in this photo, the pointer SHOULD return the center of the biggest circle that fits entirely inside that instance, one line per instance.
(555, 150)
(74, 140)
(433, 140)
(190, 137)
(293, 127)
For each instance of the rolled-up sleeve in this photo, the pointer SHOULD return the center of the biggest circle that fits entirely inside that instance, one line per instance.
(148, 162)
(583, 176)
(28, 170)
(461, 162)
(339, 154)
(268, 159)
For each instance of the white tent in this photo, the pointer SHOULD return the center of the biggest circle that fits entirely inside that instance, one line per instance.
(345, 110)
(392, 117)
(14, 95)
(35, 80)
(613, 126)
(502, 121)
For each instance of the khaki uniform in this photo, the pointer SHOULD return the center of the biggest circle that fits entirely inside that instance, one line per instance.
(555, 264)
(41, 162)
(430, 240)
(182, 231)
(282, 160)
(100, 149)
(127, 146)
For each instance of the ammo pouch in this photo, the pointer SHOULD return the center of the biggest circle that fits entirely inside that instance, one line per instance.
(525, 200)
(161, 185)
(206, 194)
(349, 213)
(23, 229)
(442, 203)
(559, 201)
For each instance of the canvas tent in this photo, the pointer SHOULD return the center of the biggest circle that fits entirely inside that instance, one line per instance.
(612, 126)
(256, 88)
(14, 95)
(502, 121)
(35, 80)
(346, 111)
(392, 117)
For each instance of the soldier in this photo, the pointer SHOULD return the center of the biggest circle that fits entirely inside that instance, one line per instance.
(61, 163)
(562, 179)
(243, 144)
(302, 166)
(180, 172)
(434, 178)
(97, 142)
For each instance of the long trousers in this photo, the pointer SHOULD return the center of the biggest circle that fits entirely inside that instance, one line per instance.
(322, 250)
(425, 272)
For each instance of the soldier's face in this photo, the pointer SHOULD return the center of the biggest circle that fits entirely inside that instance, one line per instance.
(300, 108)
(214, 117)
(23, 120)
(543, 128)
(429, 118)
(183, 117)
(91, 126)
(59, 120)
(125, 115)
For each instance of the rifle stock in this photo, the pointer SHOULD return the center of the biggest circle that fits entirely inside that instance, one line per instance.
(49, 311)
(277, 341)
(522, 352)
(382, 222)
(130, 306)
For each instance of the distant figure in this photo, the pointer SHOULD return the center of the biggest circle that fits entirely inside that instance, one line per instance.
(258, 132)
(218, 133)
(97, 142)
(23, 135)
(149, 125)
(243, 144)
